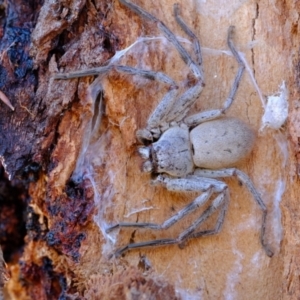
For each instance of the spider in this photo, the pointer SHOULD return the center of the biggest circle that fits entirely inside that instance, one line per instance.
(189, 153)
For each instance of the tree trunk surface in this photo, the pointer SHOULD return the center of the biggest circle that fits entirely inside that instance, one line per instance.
(77, 164)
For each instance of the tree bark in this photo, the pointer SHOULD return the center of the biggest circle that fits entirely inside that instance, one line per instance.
(80, 163)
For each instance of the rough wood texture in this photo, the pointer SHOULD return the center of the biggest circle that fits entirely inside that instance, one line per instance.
(64, 248)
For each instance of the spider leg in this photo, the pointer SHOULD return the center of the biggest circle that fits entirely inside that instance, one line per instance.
(152, 75)
(199, 201)
(190, 33)
(169, 35)
(201, 117)
(191, 183)
(218, 225)
(221, 199)
(83, 73)
(240, 72)
(161, 110)
(230, 172)
(182, 105)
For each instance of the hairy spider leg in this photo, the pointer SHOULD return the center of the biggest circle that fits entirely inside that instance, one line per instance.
(244, 178)
(201, 117)
(191, 183)
(179, 108)
(191, 34)
(221, 201)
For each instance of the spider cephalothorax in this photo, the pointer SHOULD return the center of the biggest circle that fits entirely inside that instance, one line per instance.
(171, 154)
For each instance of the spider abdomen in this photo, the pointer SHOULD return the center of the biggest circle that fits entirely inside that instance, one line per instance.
(221, 143)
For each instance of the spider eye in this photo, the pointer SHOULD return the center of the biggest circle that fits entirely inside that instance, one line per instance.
(144, 136)
(144, 152)
(147, 167)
